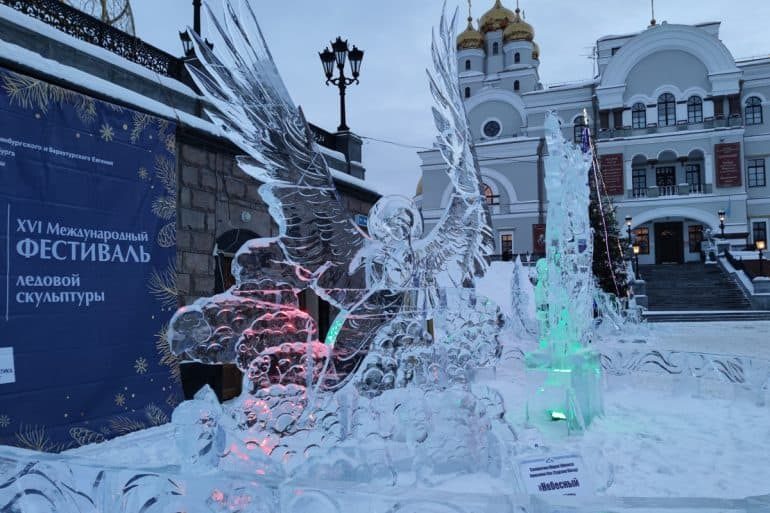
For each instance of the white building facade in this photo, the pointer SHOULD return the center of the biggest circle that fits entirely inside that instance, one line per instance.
(681, 128)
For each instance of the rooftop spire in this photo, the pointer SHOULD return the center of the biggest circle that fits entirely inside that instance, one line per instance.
(652, 7)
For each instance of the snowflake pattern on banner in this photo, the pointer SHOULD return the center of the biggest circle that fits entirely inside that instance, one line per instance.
(95, 124)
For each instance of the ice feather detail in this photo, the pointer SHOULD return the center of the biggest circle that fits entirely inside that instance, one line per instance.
(460, 244)
(253, 107)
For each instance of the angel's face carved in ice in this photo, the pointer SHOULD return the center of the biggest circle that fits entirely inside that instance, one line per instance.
(395, 219)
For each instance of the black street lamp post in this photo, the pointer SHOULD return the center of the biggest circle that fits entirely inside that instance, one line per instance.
(339, 53)
(760, 244)
(637, 248)
(628, 228)
(721, 214)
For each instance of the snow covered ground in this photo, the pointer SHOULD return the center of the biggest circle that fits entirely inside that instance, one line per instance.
(661, 436)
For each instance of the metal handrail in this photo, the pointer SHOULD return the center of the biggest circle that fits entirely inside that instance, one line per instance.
(91, 30)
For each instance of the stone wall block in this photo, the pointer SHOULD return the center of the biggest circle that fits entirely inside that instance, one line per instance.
(208, 180)
(183, 283)
(231, 168)
(202, 242)
(211, 222)
(197, 263)
(204, 200)
(194, 155)
(185, 197)
(235, 188)
(203, 284)
(183, 239)
(190, 176)
(192, 219)
(252, 192)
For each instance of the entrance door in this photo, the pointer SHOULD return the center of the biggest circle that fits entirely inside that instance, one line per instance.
(669, 243)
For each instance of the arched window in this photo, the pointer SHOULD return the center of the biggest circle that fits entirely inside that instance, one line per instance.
(580, 124)
(666, 110)
(516, 85)
(516, 57)
(467, 92)
(753, 111)
(489, 195)
(467, 64)
(495, 48)
(639, 115)
(695, 110)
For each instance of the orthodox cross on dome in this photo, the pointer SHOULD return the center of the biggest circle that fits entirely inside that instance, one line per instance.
(470, 18)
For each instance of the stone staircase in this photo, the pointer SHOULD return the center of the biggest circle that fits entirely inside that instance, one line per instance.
(695, 292)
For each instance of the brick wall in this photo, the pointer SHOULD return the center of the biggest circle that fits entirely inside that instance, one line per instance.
(215, 197)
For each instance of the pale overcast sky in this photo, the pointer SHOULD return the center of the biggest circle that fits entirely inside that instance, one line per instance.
(392, 102)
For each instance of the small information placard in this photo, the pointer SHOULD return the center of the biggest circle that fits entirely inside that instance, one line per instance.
(559, 475)
(7, 367)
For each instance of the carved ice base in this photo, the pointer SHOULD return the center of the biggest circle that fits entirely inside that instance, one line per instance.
(567, 395)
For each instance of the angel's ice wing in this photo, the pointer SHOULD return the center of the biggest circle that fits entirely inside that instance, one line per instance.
(458, 246)
(254, 110)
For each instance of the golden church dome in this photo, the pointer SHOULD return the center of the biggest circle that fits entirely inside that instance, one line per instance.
(497, 18)
(470, 38)
(518, 30)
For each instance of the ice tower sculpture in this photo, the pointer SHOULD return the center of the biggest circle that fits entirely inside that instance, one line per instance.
(566, 372)
(381, 283)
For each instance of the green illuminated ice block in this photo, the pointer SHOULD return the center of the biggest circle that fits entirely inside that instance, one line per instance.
(564, 371)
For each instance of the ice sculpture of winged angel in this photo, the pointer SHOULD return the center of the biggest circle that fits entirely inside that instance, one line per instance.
(363, 275)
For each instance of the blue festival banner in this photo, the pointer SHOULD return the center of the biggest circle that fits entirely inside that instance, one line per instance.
(87, 269)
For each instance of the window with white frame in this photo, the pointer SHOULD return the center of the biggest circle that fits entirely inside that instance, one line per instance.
(506, 245)
(759, 231)
(694, 110)
(666, 109)
(639, 115)
(490, 197)
(642, 238)
(756, 172)
(580, 125)
(753, 112)
(693, 177)
(639, 182)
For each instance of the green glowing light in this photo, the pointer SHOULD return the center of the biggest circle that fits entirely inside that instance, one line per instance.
(335, 328)
(557, 415)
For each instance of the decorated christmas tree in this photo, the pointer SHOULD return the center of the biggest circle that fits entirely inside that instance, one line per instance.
(609, 264)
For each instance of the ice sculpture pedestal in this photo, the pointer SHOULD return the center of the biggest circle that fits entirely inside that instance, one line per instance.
(567, 391)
